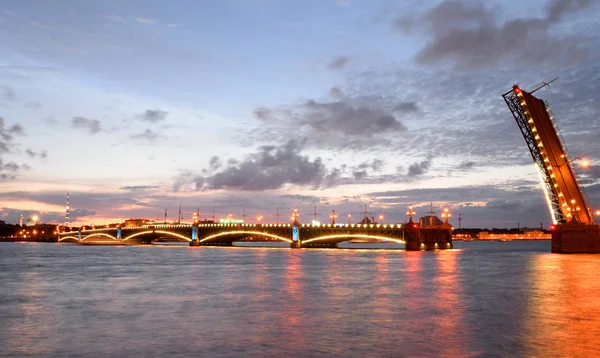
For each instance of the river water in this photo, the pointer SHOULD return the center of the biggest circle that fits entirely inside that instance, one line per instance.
(482, 299)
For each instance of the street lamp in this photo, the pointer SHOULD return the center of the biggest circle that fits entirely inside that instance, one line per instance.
(446, 214)
(349, 216)
(333, 216)
(585, 163)
(229, 217)
(259, 218)
(411, 212)
(381, 218)
(35, 219)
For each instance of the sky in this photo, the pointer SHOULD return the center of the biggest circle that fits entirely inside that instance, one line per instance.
(240, 106)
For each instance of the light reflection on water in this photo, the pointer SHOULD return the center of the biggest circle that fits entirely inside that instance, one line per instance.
(502, 299)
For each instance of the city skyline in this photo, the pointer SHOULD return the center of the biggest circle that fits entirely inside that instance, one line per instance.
(257, 105)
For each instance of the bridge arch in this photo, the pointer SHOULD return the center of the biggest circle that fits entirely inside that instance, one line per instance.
(68, 238)
(243, 232)
(168, 233)
(98, 234)
(347, 237)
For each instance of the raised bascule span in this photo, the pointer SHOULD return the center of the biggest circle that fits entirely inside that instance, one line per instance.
(573, 229)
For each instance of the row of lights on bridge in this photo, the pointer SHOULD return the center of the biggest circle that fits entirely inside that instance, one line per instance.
(295, 214)
(572, 206)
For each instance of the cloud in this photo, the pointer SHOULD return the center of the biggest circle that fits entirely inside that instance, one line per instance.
(360, 174)
(92, 125)
(406, 107)
(30, 153)
(148, 135)
(466, 165)
(33, 105)
(335, 92)
(214, 163)
(7, 135)
(153, 115)
(349, 119)
(375, 165)
(419, 168)
(178, 24)
(262, 113)
(17, 129)
(8, 94)
(471, 36)
(145, 20)
(8, 170)
(139, 187)
(115, 18)
(271, 167)
(557, 9)
(337, 62)
(348, 123)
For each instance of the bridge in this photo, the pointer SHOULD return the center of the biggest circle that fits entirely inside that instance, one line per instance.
(411, 234)
(573, 229)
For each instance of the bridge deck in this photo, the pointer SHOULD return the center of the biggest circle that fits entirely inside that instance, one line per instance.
(324, 235)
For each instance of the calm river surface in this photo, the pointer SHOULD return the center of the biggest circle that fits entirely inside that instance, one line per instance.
(482, 299)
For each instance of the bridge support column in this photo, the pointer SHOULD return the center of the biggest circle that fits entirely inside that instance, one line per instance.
(296, 242)
(195, 241)
(576, 238)
(118, 233)
(423, 238)
(412, 237)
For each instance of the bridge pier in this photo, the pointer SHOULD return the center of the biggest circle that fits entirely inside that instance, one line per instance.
(423, 238)
(576, 238)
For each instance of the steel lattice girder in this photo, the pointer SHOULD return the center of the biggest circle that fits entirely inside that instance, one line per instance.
(517, 111)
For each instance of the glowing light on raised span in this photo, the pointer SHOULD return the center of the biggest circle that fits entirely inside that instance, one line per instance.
(546, 194)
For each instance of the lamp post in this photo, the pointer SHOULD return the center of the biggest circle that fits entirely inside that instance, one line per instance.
(259, 218)
(411, 212)
(35, 219)
(446, 215)
(381, 218)
(295, 215)
(349, 216)
(574, 208)
(229, 217)
(333, 216)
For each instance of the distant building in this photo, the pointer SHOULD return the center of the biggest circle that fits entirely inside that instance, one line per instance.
(530, 235)
(231, 221)
(135, 222)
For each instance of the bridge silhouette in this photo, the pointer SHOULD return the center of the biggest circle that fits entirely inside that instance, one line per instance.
(411, 234)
